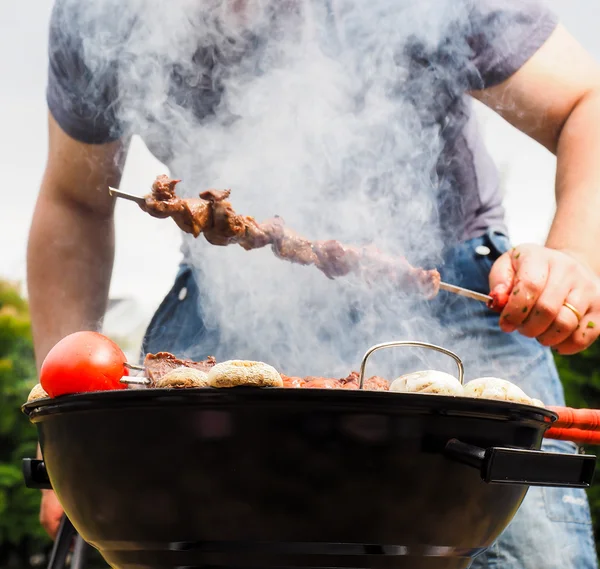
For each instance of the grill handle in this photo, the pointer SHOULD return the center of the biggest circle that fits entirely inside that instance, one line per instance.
(499, 465)
(34, 472)
(411, 344)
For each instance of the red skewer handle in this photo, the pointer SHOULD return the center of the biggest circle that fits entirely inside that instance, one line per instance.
(579, 436)
(583, 419)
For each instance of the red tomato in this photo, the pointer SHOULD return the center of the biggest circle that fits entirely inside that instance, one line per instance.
(81, 362)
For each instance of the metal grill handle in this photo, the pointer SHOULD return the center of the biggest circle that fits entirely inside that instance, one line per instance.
(413, 344)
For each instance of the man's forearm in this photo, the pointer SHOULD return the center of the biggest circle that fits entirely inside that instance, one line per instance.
(69, 264)
(576, 225)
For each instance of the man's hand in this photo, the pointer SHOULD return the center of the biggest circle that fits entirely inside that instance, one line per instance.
(542, 283)
(50, 513)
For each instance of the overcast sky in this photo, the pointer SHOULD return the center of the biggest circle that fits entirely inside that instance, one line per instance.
(147, 249)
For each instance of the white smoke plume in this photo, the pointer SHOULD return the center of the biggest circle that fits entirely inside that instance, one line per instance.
(322, 114)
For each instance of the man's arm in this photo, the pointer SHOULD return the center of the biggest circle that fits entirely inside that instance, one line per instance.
(70, 251)
(71, 241)
(555, 99)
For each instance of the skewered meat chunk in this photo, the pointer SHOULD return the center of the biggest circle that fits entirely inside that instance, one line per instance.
(227, 226)
(213, 215)
(286, 244)
(163, 188)
(334, 259)
(191, 215)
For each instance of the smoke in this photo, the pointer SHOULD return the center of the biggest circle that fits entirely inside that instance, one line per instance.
(336, 118)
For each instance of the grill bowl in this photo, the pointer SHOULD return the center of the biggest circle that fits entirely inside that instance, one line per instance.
(252, 477)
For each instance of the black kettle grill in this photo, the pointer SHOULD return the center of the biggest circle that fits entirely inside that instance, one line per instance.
(296, 478)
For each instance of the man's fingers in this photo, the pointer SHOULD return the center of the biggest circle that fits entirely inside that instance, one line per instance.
(531, 276)
(548, 317)
(567, 318)
(563, 325)
(548, 295)
(583, 337)
(502, 274)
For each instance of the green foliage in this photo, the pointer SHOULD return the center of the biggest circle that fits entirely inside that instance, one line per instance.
(20, 530)
(580, 375)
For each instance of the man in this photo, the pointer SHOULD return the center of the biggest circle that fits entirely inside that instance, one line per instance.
(512, 55)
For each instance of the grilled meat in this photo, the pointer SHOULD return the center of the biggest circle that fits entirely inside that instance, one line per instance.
(160, 364)
(213, 215)
(322, 383)
(292, 381)
(191, 215)
(374, 383)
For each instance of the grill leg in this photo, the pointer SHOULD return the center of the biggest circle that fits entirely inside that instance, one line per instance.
(62, 544)
(79, 553)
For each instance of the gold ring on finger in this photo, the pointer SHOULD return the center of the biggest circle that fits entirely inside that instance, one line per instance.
(573, 310)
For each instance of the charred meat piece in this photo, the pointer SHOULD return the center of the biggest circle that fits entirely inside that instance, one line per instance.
(191, 216)
(376, 383)
(322, 383)
(198, 213)
(288, 245)
(375, 265)
(226, 226)
(334, 259)
(212, 214)
(160, 364)
(163, 188)
(256, 234)
(292, 381)
(373, 383)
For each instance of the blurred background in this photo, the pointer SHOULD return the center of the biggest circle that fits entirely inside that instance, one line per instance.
(137, 287)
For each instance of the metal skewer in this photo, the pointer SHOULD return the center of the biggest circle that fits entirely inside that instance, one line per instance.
(465, 292)
(118, 193)
(135, 380)
(443, 286)
(132, 380)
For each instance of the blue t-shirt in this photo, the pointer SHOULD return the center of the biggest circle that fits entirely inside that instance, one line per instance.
(103, 55)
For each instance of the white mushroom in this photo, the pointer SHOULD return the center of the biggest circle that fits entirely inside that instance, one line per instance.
(37, 392)
(233, 373)
(495, 388)
(429, 381)
(182, 377)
